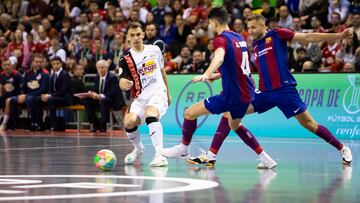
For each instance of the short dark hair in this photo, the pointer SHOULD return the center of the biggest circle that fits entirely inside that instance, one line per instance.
(219, 14)
(56, 58)
(134, 25)
(257, 17)
(152, 23)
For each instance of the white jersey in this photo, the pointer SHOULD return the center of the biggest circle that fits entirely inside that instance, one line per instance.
(147, 78)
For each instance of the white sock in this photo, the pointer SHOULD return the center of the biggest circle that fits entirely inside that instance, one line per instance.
(210, 155)
(264, 156)
(6, 119)
(134, 138)
(156, 134)
(184, 147)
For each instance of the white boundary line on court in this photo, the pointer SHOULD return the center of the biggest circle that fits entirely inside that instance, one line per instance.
(191, 185)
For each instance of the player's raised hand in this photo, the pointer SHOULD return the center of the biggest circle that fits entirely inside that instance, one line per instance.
(347, 33)
(200, 78)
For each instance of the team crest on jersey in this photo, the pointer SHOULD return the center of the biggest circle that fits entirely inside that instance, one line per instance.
(268, 40)
(147, 68)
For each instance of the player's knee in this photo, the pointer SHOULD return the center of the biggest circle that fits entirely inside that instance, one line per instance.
(310, 125)
(129, 122)
(188, 115)
(151, 119)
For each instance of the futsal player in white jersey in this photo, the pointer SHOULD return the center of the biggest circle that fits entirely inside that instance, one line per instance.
(143, 73)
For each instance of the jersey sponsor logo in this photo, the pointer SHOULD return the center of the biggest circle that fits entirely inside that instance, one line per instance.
(264, 51)
(147, 68)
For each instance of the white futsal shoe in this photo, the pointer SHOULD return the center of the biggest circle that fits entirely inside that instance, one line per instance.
(177, 151)
(135, 154)
(346, 155)
(266, 162)
(159, 161)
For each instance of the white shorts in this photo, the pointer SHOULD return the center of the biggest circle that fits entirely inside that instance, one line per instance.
(158, 100)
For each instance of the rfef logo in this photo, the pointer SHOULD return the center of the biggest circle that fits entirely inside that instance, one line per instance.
(189, 95)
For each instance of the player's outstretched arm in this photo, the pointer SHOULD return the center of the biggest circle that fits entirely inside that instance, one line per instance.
(214, 65)
(320, 37)
(214, 76)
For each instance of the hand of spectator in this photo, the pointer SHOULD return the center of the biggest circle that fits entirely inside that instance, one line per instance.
(50, 17)
(21, 98)
(95, 96)
(44, 97)
(304, 18)
(200, 78)
(125, 84)
(347, 33)
(26, 19)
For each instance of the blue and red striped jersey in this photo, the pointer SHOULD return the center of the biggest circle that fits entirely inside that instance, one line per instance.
(235, 70)
(271, 55)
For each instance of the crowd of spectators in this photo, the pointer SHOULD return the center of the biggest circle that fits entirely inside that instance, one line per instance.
(82, 32)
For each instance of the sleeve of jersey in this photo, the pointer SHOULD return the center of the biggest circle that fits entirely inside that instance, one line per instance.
(125, 69)
(219, 42)
(285, 34)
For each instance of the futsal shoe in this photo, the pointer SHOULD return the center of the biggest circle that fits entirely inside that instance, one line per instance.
(159, 161)
(266, 162)
(346, 155)
(177, 151)
(131, 157)
(201, 159)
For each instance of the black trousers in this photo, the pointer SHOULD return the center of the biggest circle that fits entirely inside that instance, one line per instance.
(104, 105)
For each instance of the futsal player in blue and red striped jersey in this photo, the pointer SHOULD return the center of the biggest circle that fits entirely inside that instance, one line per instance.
(276, 84)
(232, 57)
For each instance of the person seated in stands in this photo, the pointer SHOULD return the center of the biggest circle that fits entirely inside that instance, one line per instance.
(36, 82)
(10, 86)
(77, 84)
(198, 65)
(59, 92)
(85, 50)
(105, 95)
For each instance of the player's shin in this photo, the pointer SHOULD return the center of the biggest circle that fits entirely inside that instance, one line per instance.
(134, 137)
(222, 132)
(156, 133)
(188, 130)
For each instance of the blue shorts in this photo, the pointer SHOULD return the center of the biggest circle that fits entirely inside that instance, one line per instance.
(217, 105)
(287, 99)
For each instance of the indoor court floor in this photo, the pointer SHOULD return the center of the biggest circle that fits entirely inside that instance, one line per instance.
(48, 167)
